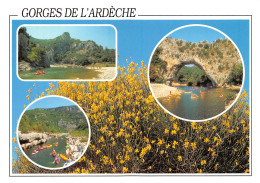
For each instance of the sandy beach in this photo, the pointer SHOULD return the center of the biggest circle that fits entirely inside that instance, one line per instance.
(107, 73)
(162, 90)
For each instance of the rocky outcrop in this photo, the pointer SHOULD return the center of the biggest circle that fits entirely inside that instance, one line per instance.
(75, 146)
(65, 108)
(56, 48)
(24, 66)
(68, 125)
(216, 59)
(28, 140)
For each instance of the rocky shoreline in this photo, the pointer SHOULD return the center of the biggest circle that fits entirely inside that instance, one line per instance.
(28, 140)
(232, 87)
(75, 147)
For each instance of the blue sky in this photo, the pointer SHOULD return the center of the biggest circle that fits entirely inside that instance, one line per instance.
(102, 35)
(197, 34)
(51, 102)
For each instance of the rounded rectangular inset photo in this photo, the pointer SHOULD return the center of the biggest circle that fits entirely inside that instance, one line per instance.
(67, 52)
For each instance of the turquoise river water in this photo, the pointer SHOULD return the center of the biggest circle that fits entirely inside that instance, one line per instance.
(208, 103)
(44, 158)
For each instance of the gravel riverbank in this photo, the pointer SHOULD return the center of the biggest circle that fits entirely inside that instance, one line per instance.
(162, 90)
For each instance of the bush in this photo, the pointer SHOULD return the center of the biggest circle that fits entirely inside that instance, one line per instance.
(230, 96)
(139, 137)
(220, 68)
(181, 49)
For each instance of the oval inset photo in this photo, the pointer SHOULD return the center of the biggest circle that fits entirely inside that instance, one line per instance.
(196, 73)
(53, 132)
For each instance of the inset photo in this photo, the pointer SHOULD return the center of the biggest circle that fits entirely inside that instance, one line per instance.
(53, 132)
(196, 72)
(67, 52)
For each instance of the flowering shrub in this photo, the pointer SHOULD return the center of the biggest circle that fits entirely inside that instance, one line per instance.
(131, 133)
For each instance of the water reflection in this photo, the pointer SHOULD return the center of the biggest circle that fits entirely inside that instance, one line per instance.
(197, 103)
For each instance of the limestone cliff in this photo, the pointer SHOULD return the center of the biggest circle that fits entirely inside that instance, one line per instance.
(216, 59)
(64, 49)
(52, 120)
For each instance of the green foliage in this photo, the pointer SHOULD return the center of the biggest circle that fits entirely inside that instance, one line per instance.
(206, 46)
(230, 96)
(177, 55)
(46, 120)
(200, 45)
(65, 49)
(220, 68)
(219, 53)
(236, 75)
(189, 75)
(179, 42)
(37, 56)
(79, 133)
(181, 49)
(23, 44)
(74, 51)
(157, 66)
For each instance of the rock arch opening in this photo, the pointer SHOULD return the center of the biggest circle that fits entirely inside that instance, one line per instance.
(200, 78)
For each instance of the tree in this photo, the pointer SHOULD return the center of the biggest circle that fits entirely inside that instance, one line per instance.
(36, 57)
(236, 75)
(23, 44)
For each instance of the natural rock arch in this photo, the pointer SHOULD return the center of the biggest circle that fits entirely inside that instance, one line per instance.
(216, 59)
(176, 68)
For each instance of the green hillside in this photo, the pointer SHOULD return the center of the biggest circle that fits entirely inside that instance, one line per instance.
(61, 50)
(53, 120)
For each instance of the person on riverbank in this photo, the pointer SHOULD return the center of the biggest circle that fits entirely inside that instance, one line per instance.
(79, 148)
(70, 153)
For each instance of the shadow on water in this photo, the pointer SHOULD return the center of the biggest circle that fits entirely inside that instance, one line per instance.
(207, 104)
(44, 158)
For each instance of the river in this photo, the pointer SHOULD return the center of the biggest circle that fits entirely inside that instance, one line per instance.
(208, 103)
(43, 157)
(61, 73)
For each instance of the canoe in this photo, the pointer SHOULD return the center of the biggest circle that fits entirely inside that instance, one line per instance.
(36, 152)
(194, 96)
(63, 157)
(58, 160)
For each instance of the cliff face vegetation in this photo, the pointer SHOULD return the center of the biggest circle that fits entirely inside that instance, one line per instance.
(60, 119)
(217, 60)
(60, 50)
